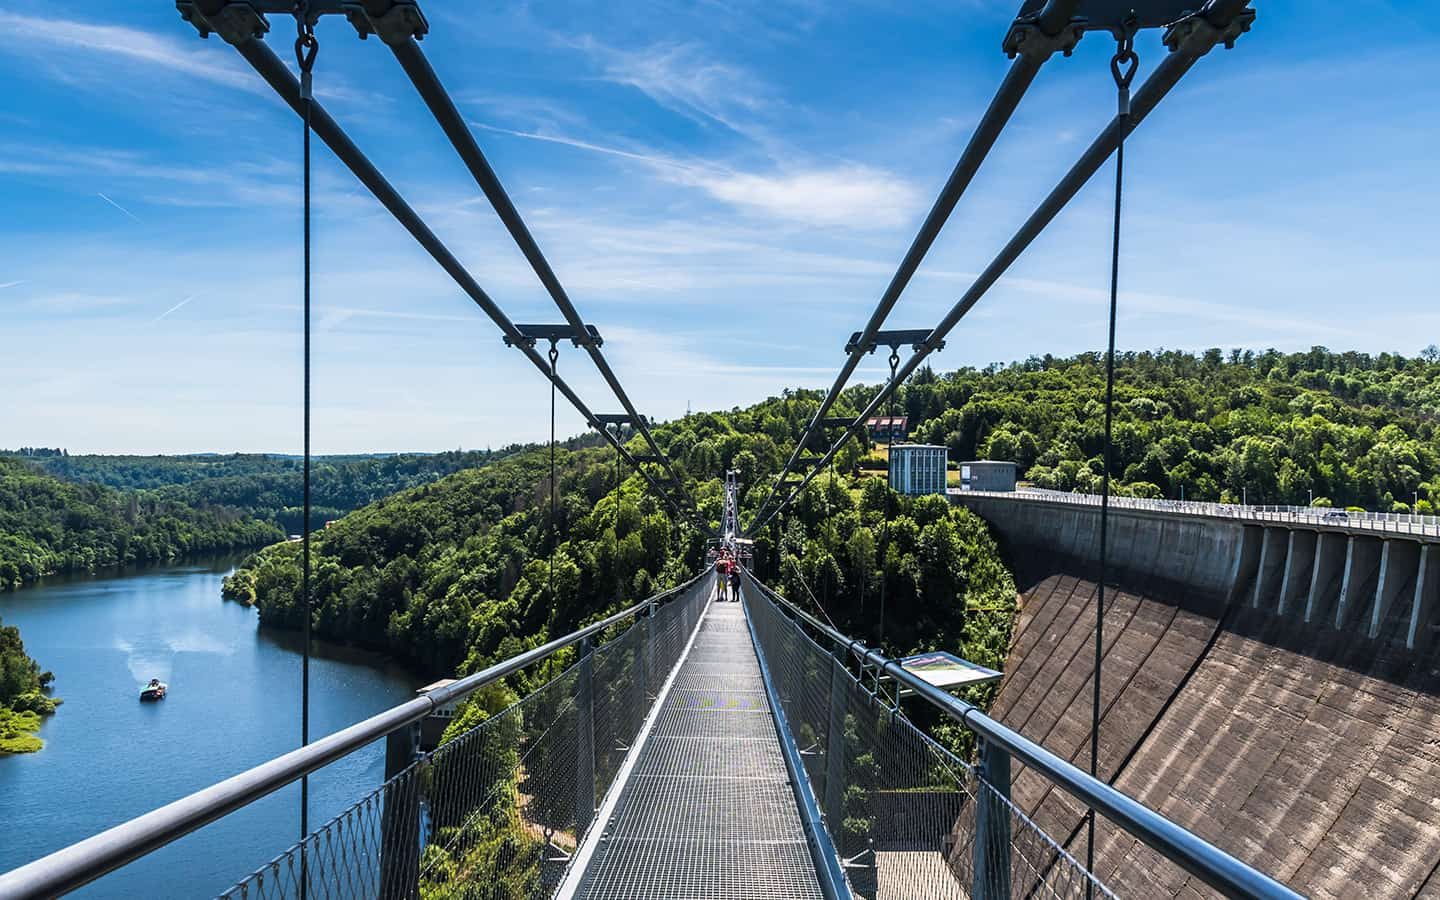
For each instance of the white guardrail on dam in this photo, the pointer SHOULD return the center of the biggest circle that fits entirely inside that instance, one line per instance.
(1387, 523)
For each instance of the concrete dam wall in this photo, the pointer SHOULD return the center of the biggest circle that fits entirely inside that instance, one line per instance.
(1275, 689)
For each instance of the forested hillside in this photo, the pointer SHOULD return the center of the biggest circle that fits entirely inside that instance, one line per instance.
(1354, 429)
(456, 573)
(453, 573)
(48, 525)
(263, 486)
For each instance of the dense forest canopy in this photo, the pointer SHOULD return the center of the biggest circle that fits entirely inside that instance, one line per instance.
(453, 571)
(263, 486)
(1348, 429)
(446, 573)
(22, 697)
(455, 575)
(49, 525)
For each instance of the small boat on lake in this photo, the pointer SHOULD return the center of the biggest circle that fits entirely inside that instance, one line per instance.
(155, 690)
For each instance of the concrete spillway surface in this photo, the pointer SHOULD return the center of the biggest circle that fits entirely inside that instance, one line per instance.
(1278, 693)
(707, 811)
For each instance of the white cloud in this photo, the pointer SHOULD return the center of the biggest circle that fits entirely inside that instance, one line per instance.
(27, 34)
(853, 196)
(681, 78)
(846, 195)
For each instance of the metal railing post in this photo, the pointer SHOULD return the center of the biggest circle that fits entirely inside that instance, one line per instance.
(992, 824)
(835, 749)
(585, 741)
(647, 672)
(400, 818)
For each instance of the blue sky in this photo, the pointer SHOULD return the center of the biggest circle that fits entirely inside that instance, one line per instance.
(725, 189)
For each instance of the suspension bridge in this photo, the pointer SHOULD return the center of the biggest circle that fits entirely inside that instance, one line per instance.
(687, 747)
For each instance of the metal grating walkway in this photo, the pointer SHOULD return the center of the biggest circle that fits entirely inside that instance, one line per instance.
(708, 811)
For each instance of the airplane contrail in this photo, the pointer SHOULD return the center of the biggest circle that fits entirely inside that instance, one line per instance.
(118, 206)
(175, 307)
(10, 284)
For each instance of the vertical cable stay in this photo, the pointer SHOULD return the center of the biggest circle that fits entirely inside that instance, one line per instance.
(889, 460)
(619, 437)
(1122, 67)
(306, 47)
(554, 357)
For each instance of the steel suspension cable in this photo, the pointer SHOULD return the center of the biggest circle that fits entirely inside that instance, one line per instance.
(1122, 67)
(306, 46)
(269, 66)
(1221, 21)
(1049, 26)
(413, 60)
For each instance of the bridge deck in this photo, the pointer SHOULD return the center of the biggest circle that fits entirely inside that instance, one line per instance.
(707, 811)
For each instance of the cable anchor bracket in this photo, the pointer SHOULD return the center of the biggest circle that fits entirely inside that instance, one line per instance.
(1199, 33)
(527, 335)
(917, 338)
(237, 21)
(1027, 35)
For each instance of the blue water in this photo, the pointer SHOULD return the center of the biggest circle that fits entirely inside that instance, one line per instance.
(234, 702)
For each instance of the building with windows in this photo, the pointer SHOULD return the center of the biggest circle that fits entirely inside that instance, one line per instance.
(917, 469)
(987, 475)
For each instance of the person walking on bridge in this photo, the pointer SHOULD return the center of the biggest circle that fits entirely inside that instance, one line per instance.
(735, 582)
(722, 568)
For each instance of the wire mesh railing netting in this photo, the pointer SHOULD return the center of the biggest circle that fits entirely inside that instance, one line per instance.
(498, 811)
(903, 812)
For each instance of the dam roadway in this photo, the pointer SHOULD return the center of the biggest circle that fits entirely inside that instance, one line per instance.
(1271, 685)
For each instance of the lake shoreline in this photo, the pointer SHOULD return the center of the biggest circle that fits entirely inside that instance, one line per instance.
(121, 570)
(234, 703)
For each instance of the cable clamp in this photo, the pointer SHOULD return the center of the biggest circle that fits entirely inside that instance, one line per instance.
(1028, 38)
(235, 21)
(1198, 34)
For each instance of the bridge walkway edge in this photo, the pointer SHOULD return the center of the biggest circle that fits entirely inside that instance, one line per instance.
(707, 809)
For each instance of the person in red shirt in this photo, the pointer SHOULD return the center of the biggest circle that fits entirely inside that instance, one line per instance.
(722, 568)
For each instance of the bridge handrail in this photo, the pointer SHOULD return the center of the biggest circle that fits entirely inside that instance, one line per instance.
(1389, 523)
(1200, 858)
(84, 861)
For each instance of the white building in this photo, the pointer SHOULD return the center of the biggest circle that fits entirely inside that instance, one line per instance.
(917, 469)
(987, 475)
